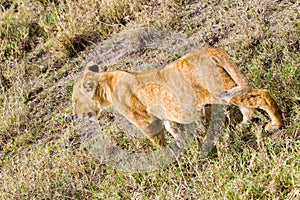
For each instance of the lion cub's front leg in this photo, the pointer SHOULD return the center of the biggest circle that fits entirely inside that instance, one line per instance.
(155, 132)
(151, 126)
(173, 128)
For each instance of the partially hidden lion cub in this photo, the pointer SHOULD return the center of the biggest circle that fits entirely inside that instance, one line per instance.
(172, 95)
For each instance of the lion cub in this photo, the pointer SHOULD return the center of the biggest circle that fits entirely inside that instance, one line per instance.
(172, 95)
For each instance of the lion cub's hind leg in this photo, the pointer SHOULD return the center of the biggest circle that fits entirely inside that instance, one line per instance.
(257, 98)
(248, 114)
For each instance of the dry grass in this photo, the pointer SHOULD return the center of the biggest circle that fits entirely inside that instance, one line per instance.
(42, 47)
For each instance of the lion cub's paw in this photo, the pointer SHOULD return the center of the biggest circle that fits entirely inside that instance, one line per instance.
(241, 126)
(271, 127)
(159, 140)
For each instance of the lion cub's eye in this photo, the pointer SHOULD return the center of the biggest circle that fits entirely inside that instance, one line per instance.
(89, 84)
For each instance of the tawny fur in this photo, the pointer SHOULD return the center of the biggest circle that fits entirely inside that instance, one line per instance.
(172, 95)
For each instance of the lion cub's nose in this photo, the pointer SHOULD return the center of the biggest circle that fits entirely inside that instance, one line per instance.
(90, 115)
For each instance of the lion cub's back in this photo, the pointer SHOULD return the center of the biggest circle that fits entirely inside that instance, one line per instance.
(212, 76)
(167, 95)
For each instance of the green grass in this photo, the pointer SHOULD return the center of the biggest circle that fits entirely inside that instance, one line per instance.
(42, 47)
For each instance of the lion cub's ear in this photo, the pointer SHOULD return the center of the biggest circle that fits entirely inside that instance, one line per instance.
(91, 67)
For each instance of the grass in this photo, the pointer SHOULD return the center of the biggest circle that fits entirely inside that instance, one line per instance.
(43, 45)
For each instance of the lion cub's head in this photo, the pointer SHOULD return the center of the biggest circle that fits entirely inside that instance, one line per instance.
(90, 93)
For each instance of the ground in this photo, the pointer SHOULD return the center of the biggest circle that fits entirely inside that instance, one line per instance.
(44, 45)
